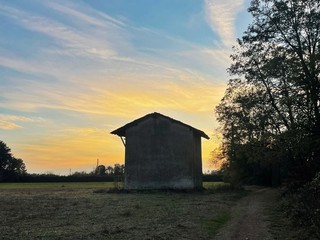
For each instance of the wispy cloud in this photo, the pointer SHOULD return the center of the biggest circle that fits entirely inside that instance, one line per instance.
(77, 42)
(8, 125)
(91, 38)
(173, 89)
(21, 65)
(91, 16)
(20, 118)
(221, 16)
(8, 122)
(98, 36)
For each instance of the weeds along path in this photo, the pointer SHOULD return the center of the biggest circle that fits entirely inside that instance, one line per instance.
(248, 217)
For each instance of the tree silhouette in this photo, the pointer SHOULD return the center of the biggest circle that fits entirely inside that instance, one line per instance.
(109, 170)
(118, 170)
(101, 170)
(10, 167)
(270, 113)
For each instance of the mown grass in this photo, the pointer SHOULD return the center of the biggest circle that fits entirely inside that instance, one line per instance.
(215, 185)
(75, 211)
(213, 225)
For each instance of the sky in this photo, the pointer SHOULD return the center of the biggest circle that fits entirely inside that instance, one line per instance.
(73, 71)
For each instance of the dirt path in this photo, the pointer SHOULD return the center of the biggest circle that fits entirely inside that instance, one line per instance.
(248, 216)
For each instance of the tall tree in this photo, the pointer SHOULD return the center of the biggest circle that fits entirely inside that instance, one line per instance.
(271, 109)
(10, 167)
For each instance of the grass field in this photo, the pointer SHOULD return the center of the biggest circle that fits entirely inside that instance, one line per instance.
(56, 185)
(78, 211)
(82, 185)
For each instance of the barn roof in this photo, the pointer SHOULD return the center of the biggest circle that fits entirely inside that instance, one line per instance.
(122, 130)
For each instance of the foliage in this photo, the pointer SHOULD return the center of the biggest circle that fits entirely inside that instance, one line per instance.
(270, 113)
(214, 176)
(100, 174)
(75, 177)
(302, 205)
(100, 170)
(11, 168)
(117, 170)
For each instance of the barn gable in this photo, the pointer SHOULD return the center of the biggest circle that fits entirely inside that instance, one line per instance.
(161, 152)
(121, 131)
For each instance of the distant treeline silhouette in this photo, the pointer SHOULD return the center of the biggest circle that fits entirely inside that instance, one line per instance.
(14, 170)
(93, 177)
(71, 178)
(100, 174)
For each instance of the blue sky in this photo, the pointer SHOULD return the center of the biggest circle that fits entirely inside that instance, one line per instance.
(72, 71)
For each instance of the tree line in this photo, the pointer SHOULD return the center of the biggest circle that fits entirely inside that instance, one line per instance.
(14, 169)
(116, 170)
(270, 112)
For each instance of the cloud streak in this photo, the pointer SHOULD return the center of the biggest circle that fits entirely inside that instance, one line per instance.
(90, 17)
(221, 16)
(7, 122)
(180, 90)
(15, 118)
(77, 42)
(8, 125)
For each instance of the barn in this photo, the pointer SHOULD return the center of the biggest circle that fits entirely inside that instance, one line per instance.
(161, 153)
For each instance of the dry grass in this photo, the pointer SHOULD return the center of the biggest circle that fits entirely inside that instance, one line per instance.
(84, 213)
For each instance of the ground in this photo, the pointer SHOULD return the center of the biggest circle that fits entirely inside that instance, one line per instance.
(84, 211)
(250, 218)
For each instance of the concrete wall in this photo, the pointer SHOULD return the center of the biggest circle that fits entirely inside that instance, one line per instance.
(161, 154)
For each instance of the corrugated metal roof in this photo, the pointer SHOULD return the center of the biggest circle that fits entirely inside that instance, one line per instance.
(122, 130)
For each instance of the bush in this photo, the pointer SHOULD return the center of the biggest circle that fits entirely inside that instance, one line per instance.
(303, 207)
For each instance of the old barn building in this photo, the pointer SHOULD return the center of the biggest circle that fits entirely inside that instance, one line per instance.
(161, 153)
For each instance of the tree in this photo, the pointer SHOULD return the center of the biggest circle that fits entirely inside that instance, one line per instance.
(270, 113)
(10, 167)
(118, 170)
(100, 170)
(109, 170)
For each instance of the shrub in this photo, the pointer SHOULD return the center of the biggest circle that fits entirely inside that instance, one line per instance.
(303, 207)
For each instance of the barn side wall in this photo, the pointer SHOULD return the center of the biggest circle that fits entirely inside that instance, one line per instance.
(161, 154)
(197, 175)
